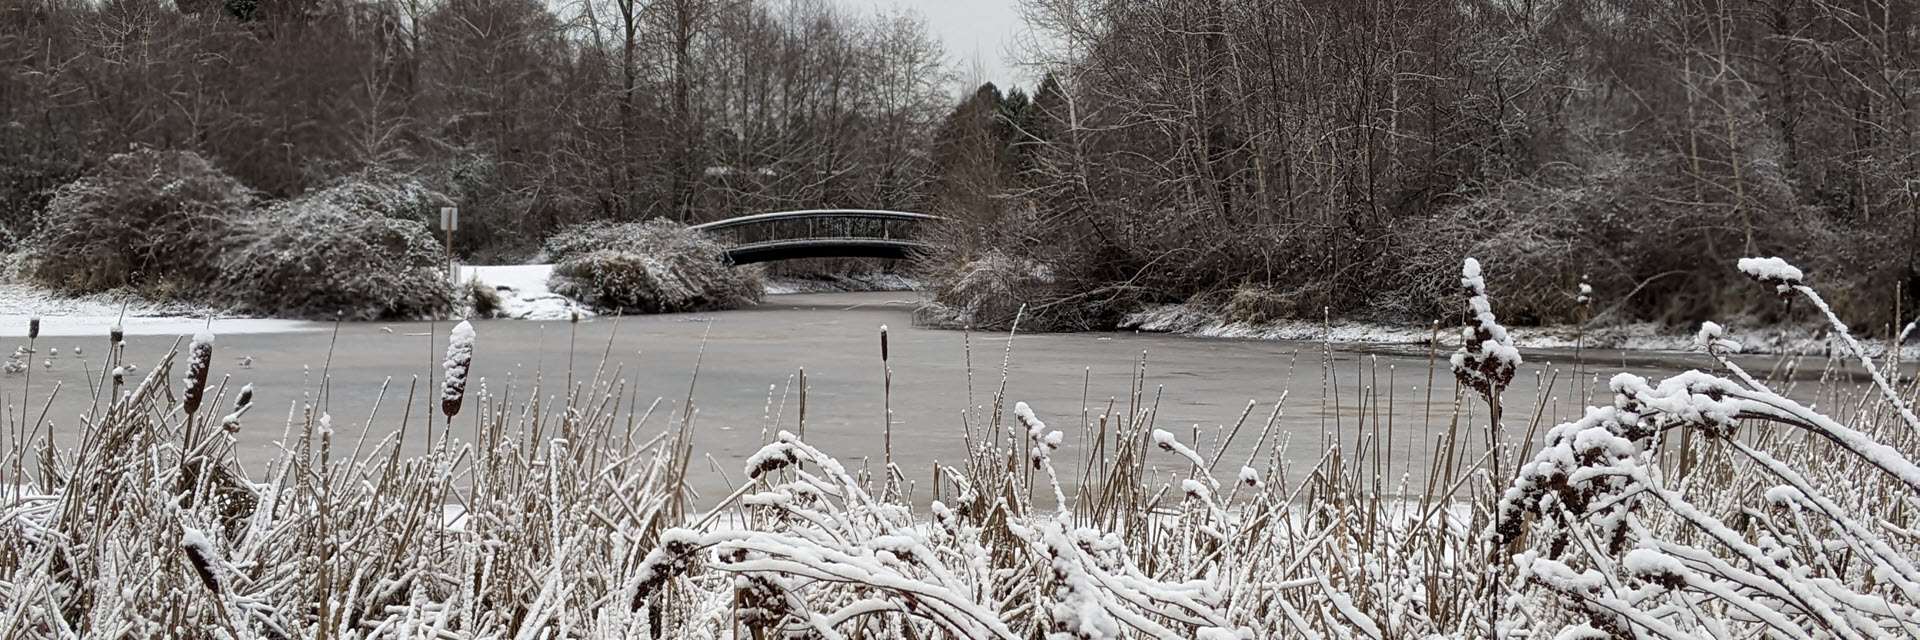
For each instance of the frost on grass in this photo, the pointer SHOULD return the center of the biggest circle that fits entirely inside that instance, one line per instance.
(1786, 522)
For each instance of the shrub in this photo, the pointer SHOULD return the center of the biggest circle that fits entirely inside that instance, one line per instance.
(140, 218)
(385, 192)
(314, 258)
(655, 266)
(483, 300)
(988, 290)
(1257, 303)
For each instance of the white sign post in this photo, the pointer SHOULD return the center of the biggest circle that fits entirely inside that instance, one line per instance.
(449, 222)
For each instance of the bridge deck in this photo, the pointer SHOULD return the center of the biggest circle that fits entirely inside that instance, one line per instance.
(772, 250)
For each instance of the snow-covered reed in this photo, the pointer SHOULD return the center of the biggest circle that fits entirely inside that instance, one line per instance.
(1775, 519)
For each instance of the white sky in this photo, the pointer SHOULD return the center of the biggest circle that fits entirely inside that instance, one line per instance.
(979, 36)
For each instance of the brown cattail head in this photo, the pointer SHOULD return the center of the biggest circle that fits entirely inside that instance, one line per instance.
(459, 360)
(199, 358)
(883, 343)
(201, 555)
(241, 403)
(116, 335)
(33, 327)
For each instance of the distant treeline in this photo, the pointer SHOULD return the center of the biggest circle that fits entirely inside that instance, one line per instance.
(531, 115)
(1279, 158)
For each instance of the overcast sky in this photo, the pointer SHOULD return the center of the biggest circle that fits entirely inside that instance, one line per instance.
(980, 31)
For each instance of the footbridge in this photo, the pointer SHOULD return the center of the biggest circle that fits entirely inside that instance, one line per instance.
(821, 233)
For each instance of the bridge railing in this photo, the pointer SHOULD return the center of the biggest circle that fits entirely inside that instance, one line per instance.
(821, 225)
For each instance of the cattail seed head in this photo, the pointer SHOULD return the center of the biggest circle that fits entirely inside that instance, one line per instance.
(201, 555)
(199, 359)
(116, 335)
(33, 327)
(459, 360)
(883, 343)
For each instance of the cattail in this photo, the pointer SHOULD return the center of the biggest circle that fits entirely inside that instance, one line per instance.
(119, 376)
(33, 327)
(199, 358)
(241, 403)
(883, 343)
(116, 335)
(201, 555)
(459, 358)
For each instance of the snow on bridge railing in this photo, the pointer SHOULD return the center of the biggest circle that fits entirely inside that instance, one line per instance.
(815, 214)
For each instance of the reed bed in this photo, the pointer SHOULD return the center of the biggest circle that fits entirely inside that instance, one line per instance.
(1706, 505)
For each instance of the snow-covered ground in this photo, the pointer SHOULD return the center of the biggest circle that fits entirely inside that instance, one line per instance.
(523, 291)
(94, 315)
(524, 294)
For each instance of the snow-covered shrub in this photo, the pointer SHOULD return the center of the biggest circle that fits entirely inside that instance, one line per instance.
(1259, 303)
(145, 218)
(1541, 234)
(990, 289)
(385, 192)
(656, 266)
(313, 258)
(483, 300)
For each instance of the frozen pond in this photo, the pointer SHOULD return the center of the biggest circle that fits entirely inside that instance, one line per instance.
(752, 356)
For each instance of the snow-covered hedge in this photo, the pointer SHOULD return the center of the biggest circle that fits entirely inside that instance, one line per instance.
(173, 225)
(311, 257)
(655, 266)
(145, 218)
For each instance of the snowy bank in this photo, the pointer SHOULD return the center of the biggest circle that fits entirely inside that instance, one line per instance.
(524, 294)
(1639, 336)
(840, 283)
(94, 315)
(523, 291)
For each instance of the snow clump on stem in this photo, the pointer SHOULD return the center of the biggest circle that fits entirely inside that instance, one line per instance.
(1486, 359)
(1774, 271)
